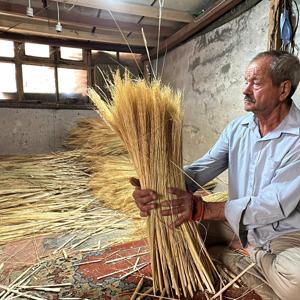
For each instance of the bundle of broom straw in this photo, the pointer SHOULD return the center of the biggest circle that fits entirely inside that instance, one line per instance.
(148, 119)
(111, 166)
(110, 184)
(93, 138)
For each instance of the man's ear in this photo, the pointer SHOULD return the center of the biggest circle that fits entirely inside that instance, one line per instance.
(285, 89)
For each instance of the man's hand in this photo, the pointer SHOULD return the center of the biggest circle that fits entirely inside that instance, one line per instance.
(144, 199)
(186, 206)
(237, 246)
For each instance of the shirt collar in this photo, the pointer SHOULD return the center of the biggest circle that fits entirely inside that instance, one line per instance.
(289, 125)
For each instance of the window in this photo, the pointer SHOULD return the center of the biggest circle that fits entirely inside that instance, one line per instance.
(71, 81)
(37, 50)
(38, 79)
(8, 84)
(71, 53)
(32, 77)
(7, 48)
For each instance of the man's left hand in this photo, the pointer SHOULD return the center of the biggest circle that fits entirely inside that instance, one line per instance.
(184, 206)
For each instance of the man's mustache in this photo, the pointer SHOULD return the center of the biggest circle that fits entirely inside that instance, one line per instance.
(249, 99)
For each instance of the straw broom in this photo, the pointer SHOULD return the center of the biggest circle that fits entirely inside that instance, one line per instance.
(110, 181)
(93, 139)
(110, 184)
(148, 119)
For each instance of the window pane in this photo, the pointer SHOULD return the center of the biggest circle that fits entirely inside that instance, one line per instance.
(7, 48)
(38, 50)
(7, 78)
(71, 81)
(38, 79)
(71, 53)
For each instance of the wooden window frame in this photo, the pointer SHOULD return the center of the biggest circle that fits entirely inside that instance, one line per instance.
(54, 61)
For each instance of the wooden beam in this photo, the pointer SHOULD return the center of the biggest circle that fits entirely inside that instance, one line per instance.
(133, 9)
(22, 19)
(220, 8)
(43, 104)
(19, 51)
(43, 30)
(76, 19)
(69, 42)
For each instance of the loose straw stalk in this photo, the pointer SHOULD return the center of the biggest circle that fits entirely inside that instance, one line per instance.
(149, 121)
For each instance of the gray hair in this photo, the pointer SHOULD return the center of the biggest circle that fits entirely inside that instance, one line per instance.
(284, 66)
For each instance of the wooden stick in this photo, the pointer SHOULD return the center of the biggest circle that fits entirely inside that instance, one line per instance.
(156, 296)
(162, 294)
(46, 285)
(118, 271)
(140, 284)
(10, 290)
(126, 257)
(135, 270)
(146, 293)
(64, 244)
(43, 289)
(232, 281)
(136, 263)
(89, 262)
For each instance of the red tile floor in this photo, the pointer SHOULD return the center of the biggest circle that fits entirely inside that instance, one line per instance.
(87, 273)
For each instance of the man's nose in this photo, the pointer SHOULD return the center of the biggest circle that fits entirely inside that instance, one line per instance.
(247, 90)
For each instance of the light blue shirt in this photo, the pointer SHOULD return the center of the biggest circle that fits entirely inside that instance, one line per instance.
(264, 177)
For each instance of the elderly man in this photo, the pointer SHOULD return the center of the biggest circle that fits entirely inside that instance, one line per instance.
(262, 153)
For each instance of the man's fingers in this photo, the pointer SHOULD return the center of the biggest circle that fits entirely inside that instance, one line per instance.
(173, 202)
(146, 207)
(135, 182)
(176, 191)
(144, 196)
(144, 214)
(173, 211)
(180, 220)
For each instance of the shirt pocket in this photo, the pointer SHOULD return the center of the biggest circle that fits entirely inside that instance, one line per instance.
(267, 172)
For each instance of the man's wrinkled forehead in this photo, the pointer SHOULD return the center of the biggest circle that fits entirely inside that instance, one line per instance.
(258, 68)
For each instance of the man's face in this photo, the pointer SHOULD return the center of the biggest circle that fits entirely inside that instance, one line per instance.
(261, 96)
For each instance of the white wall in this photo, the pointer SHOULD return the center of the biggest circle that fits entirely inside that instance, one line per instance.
(36, 130)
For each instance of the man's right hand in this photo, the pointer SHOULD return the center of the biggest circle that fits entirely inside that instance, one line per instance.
(144, 198)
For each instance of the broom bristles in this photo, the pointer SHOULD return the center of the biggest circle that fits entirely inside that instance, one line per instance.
(149, 121)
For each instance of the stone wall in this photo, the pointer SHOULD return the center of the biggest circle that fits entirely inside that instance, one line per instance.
(210, 70)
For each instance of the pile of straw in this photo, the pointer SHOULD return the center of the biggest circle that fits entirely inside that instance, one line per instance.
(46, 194)
(149, 120)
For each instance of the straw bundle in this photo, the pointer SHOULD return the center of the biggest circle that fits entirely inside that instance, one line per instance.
(94, 138)
(149, 121)
(110, 184)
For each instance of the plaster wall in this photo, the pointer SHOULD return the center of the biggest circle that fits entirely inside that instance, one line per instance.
(210, 70)
(27, 131)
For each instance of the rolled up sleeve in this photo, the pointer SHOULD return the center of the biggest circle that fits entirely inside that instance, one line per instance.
(234, 211)
(275, 202)
(212, 164)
